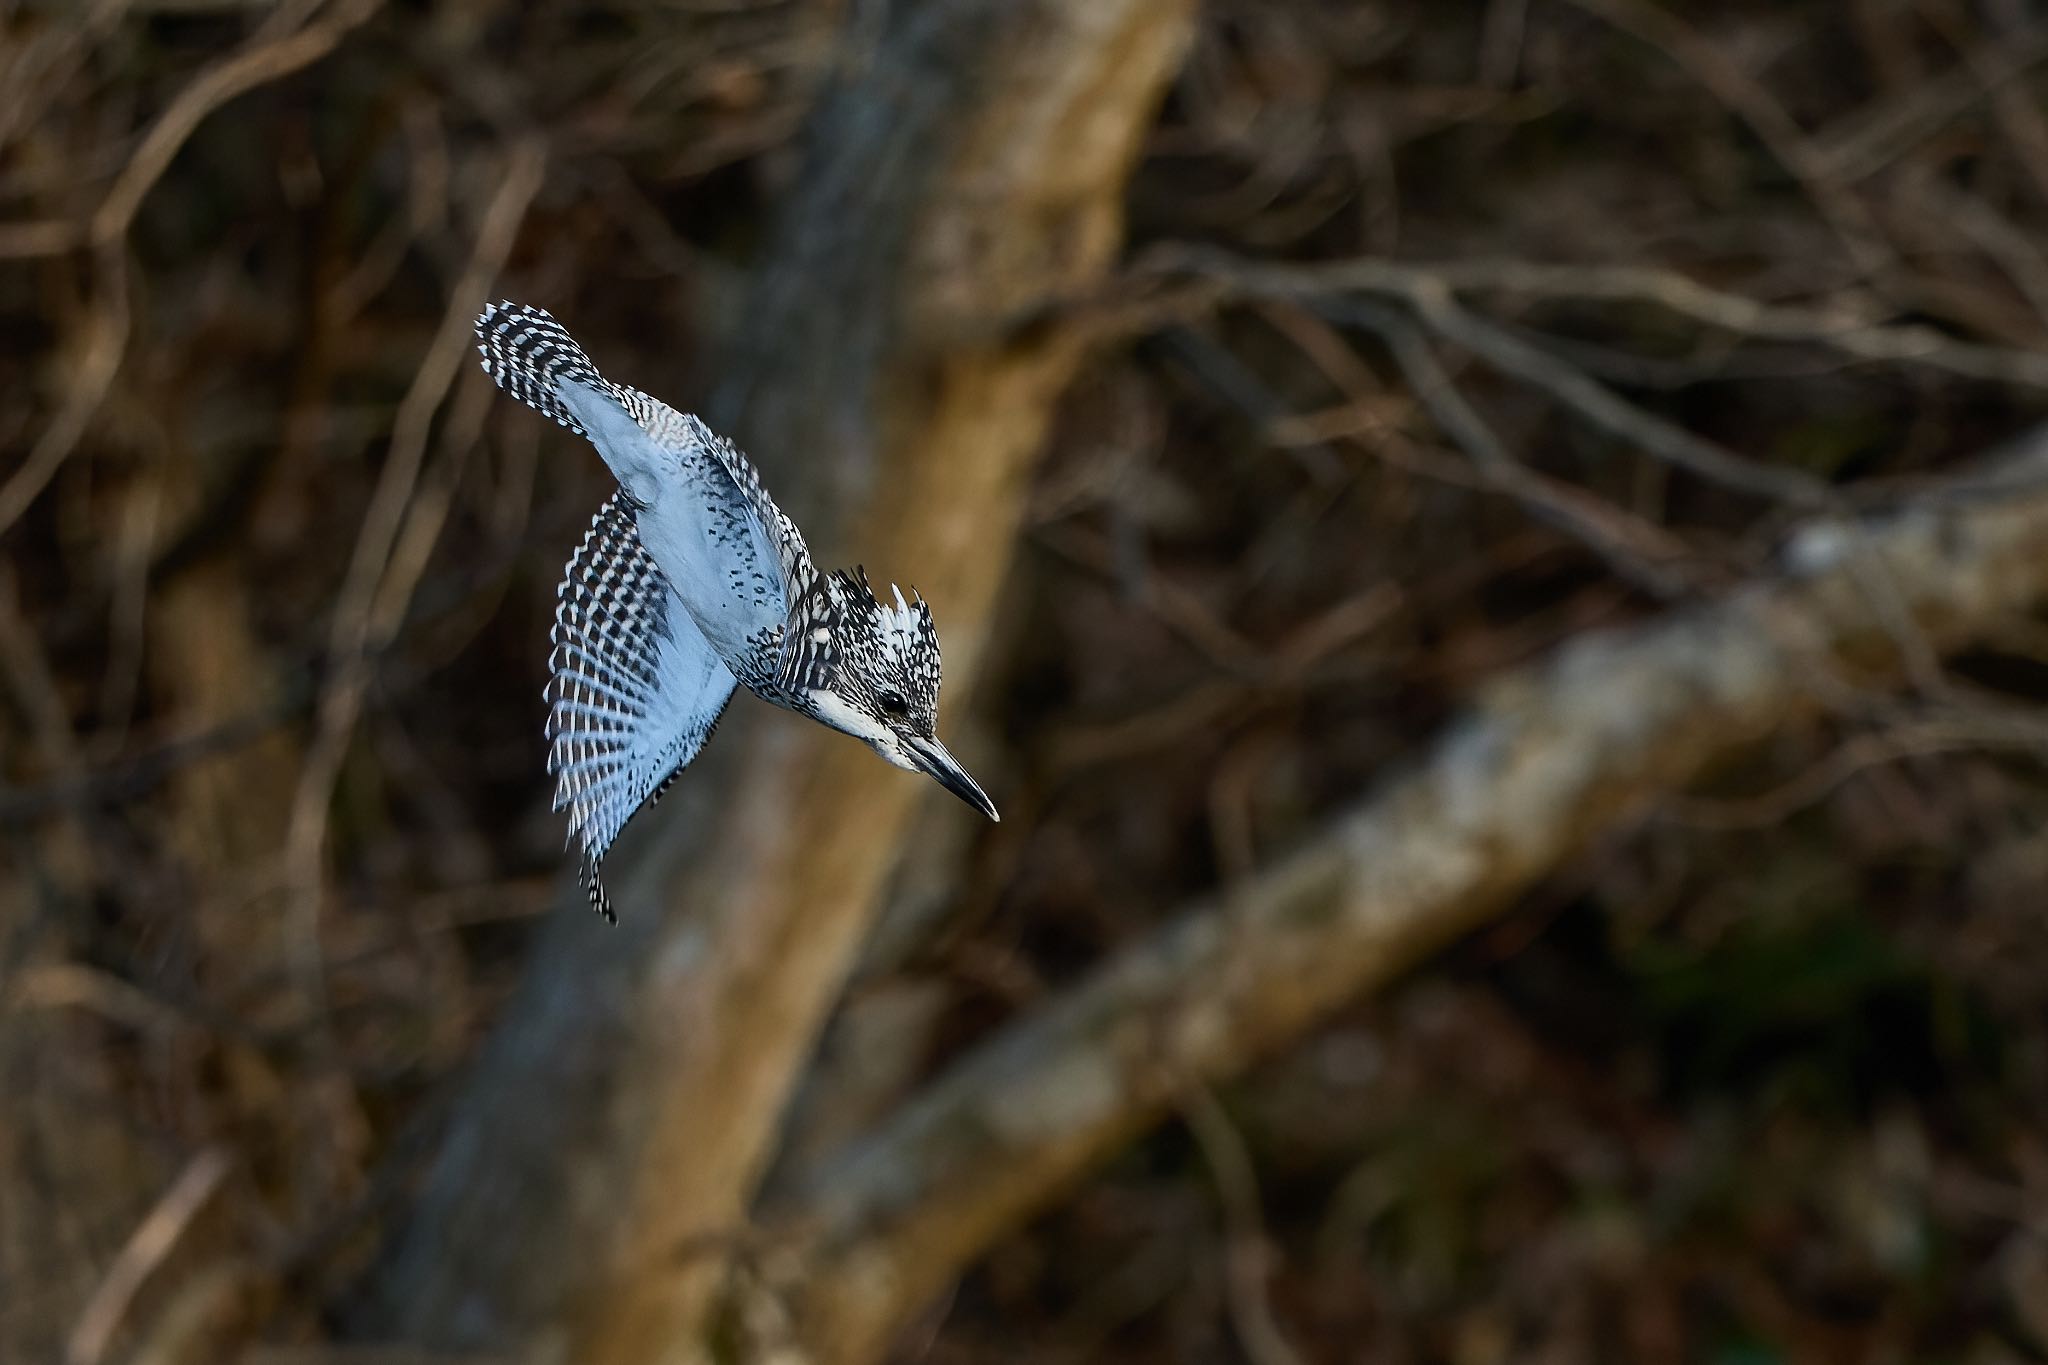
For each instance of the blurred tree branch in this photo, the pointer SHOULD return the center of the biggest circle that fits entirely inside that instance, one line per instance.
(286, 41)
(268, 56)
(1552, 757)
(1845, 325)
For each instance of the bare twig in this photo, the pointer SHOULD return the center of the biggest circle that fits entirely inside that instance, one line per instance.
(266, 57)
(146, 1248)
(1434, 303)
(1638, 551)
(1432, 297)
(1843, 329)
(90, 375)
(369, 1355)
(1863, 143)
(1752, 102)
(133, 547)
(73, 985)
(32, 71)
(1963, 732)
(355, 625)
(25, 671)
(1246, 1250)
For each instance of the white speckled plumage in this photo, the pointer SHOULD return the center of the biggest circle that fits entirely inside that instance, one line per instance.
(689, 583)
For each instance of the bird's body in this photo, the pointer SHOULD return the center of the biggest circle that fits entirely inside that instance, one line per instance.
(690, 583)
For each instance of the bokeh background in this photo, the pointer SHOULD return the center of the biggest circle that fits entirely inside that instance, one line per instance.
(1758, 1074)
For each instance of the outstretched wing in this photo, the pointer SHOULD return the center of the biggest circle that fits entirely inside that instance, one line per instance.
(790, 551)
(533, 357)
(635, 691)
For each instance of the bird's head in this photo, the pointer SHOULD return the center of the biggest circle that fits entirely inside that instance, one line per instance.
(871, 670)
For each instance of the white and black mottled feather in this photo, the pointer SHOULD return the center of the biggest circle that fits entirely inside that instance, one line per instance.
(529, 354)
(525, 350)
(691, 581)
(635, 691)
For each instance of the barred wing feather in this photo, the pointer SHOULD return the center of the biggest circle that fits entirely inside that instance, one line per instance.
(636, 689)
(531, 356)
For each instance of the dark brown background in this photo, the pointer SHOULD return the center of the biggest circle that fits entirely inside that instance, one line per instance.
(1749, 1066)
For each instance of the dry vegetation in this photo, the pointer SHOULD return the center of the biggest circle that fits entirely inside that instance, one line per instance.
(1444, 340)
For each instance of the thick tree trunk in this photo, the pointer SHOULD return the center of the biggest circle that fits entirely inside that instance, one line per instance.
(967, 168)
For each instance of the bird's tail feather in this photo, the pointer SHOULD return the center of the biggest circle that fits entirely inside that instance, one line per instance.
(591, 874)
(525, 350)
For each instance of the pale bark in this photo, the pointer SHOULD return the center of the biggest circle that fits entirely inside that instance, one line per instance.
(1550, 757)
(967, 168)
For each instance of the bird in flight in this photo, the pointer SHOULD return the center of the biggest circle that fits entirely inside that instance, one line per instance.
(689, 583)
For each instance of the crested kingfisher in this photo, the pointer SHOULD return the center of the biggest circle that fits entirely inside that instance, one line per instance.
(689, 583)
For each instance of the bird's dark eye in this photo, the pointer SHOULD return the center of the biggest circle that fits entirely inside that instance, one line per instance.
(893, 704)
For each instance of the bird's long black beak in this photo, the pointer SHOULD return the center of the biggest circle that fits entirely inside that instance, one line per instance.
(932, 758)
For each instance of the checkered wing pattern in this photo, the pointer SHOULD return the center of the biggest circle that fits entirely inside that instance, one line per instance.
(635, 693)
(528, 353)
(793, 556)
